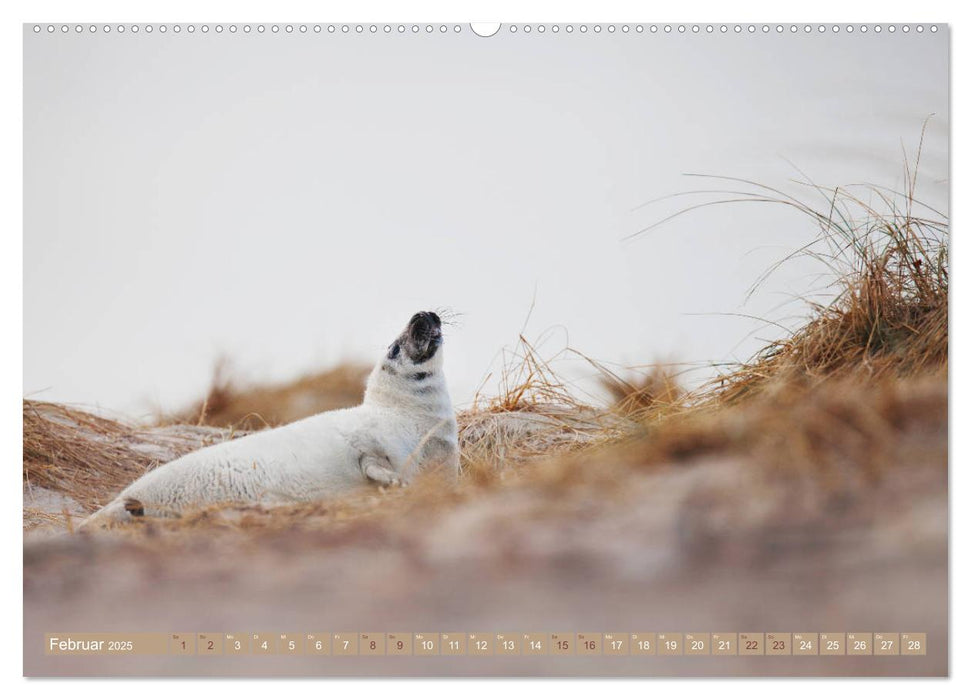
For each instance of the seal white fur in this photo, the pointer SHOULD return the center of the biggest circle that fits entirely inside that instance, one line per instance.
(405, 423)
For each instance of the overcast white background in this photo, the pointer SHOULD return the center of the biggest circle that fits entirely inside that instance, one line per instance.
(289, 200)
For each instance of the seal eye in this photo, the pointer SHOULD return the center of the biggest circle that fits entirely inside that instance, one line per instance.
(395, 350)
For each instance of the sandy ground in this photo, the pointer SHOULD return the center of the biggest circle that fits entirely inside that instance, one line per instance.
(707, 545)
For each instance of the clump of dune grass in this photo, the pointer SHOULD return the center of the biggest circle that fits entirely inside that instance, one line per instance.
(889, 315)
(887, 255)
(527, 382)
(832, 440)
(643, 394)
(231, 403)
(90, 458)
(533, 415)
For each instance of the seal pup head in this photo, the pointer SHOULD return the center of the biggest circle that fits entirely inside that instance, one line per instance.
(420, 340)
(411, 370)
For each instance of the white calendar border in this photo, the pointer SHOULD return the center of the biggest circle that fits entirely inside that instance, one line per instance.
(18, 12)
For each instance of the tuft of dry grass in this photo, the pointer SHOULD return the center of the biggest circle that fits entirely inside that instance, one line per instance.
(836, 432)
(251, 407)
(641, 395)
(889, 266)
(890, 313)
(90, 458)
(533, 416)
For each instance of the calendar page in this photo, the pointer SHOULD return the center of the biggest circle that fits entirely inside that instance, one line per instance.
(465, 349)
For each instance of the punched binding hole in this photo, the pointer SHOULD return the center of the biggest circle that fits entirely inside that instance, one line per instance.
(485, 29)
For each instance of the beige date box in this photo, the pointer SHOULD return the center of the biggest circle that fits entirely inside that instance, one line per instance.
(805, 644)
(832, 643)
(209, 644)
(290, 643)
(372, 644)
(182, 644)
(670, 644)
(751, 644)
(563, 644)
(263, 643)
(778, 643)
(536, 644)
(590, 643)
(399, 644)
(913, 644)
(644, 643)
(886, 644)
(616, 644)
(426, 644)
(453, 644)
(344, 644)
(481, 643)
(697, 644)
(724, 643)
(509, 644)
(236, 644)
(859, 643)
(317, 644)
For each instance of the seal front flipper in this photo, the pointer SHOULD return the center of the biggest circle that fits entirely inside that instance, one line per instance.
(378, 469)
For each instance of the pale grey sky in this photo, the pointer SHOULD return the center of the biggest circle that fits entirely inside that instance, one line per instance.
(290, 200)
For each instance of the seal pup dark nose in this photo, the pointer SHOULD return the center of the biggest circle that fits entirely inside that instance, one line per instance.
(426, 320)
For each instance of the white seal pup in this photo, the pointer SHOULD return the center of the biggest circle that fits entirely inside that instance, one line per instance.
(405, 423)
